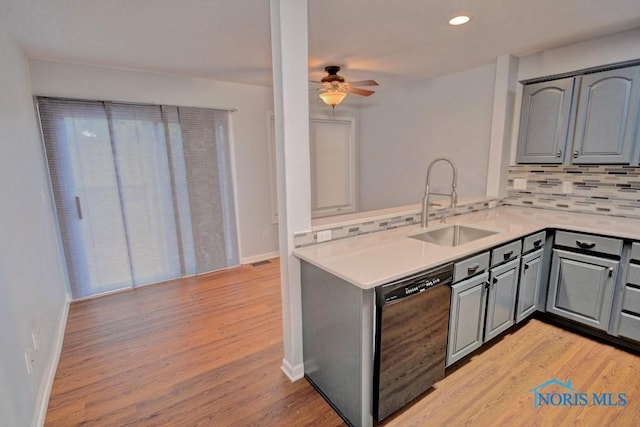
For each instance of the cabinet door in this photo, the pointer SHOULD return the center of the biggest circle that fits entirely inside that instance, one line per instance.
(501, 301)
(529, 285)
(606, 116)
(581, 288)
(544, 121)
(466, 318)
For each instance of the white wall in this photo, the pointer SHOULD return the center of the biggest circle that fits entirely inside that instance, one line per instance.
(624, 46)
(407, 128)
(619, 47)
(32, 283)
(258, 235)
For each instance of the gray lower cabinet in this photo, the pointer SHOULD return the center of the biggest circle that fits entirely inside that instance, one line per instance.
(530, 284)
(606, 117)
(581, 287)
(466, 321)
(629, 326)
(501, 300)
(544, 121)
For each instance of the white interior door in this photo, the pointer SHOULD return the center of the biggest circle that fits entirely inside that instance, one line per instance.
(333, 166)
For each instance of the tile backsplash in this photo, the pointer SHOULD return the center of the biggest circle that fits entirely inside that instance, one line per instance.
(604, 189)
(381, 224)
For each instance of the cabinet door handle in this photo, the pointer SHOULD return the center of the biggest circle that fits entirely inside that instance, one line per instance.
(78, 207)
(494, 280)
(473, 268)
(507, 255)
(576, 154)
(526, 267)
(559, 153)
(537, 243)
(487, 285)
(585, 245)
(611, 271)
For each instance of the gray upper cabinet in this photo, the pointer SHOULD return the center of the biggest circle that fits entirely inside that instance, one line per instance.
(606, 117)
(544, 121)
(587, 119)
(581, 287)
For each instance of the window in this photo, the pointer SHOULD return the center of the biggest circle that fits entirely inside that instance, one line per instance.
(143, 192)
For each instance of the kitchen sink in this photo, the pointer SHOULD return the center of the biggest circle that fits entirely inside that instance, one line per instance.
(453, 235)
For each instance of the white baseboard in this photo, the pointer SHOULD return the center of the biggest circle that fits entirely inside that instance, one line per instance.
(294, 373)
(260, 257)
(42, 400)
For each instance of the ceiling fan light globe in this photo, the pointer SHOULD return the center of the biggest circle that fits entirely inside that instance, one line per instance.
(332, 97)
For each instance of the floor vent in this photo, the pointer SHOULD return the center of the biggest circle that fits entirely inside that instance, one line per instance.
(259, 263)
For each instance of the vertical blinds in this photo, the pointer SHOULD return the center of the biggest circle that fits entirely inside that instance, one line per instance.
(143, 192)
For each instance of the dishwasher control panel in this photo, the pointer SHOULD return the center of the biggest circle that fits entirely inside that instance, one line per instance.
(412, 285)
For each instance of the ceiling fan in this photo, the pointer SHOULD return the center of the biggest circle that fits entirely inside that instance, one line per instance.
(334, 87)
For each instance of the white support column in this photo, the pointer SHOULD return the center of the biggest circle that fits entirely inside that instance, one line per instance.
(291, 104)
(500, 145)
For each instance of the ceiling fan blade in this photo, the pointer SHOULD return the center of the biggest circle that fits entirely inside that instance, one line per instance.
(364, 83)
(363, 92)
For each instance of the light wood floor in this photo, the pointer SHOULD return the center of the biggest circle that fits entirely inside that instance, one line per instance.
(207, 352)
(196, 352)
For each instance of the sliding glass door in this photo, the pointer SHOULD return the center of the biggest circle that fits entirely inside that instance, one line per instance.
(142, 167)
(131, 208)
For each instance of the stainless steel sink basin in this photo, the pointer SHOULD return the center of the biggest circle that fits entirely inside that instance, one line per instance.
(453, 235)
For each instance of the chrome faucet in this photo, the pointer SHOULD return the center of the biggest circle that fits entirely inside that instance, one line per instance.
(427, 192)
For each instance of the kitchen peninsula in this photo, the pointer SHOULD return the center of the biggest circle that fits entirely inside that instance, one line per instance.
(340, 279)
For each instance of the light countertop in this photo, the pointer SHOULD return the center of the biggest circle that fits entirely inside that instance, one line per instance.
(373, 259)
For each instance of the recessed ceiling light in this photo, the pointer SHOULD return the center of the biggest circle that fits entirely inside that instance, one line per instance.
(459, 20)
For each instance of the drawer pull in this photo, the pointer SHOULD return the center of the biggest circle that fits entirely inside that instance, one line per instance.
(537, 243)
(507, 255)
(473, 268)
(585, 245)
(78, 207)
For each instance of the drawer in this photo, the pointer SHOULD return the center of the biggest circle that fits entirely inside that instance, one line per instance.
(506, 252)
(631, 301)
(470, 266)
(633, 275)
(606, 245)
(635, 251)
(533, 241)
(629, 326)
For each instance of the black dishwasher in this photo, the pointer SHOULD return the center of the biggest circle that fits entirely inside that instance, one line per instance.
(412, 323)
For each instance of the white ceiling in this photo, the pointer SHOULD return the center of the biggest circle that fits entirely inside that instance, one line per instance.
(392, 41)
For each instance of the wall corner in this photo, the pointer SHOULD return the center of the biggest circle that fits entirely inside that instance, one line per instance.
(501, 124)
